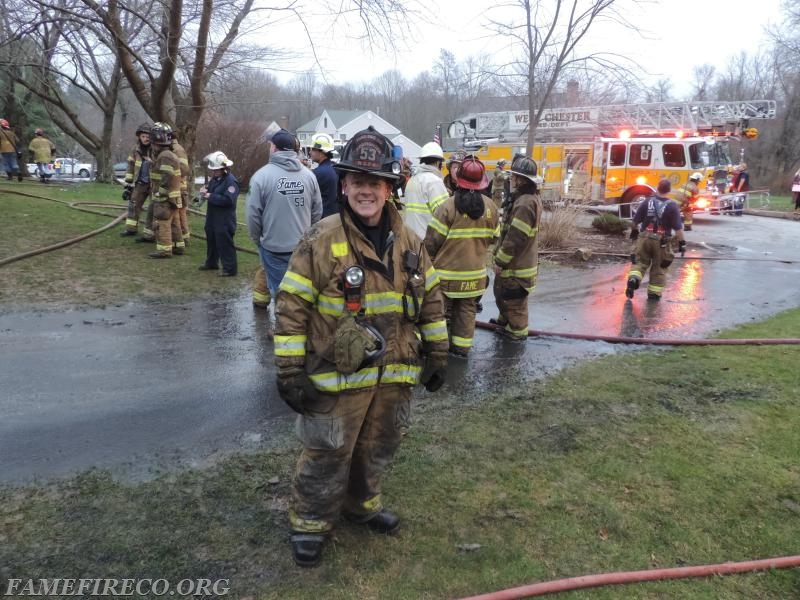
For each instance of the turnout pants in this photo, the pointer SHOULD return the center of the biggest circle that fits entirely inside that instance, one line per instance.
(511, 295)
(261, 295)
(166, 226)
(138, 197)
(345, 452)
(183, 215)
(460, 321)
(651, 255)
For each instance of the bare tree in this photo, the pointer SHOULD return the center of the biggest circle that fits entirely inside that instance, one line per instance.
(546, 40)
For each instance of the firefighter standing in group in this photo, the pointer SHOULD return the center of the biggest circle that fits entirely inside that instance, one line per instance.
(425, 191)
(9, 153)
(137, 178)
(166, 181)
(654, 223)
(360, 321)
(499, 182)
(455, 160)
(183, 211)
(686, 196)
(43, 151)
(516, 255)
(220, 193)
(458, 240)
(321, 153)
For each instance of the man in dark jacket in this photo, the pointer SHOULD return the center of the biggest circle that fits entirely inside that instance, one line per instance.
(321, 153)
(220, 193)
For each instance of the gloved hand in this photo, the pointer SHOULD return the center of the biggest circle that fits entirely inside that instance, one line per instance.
(126, 193)
(296, 389)
(634, 233)
(682, 247)
(434, 371)
(633, 258)
(19, 155)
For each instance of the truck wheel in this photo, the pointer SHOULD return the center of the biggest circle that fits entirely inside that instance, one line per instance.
(632, 198)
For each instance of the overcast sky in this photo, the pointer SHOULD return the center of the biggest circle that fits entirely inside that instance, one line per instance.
(676, 35)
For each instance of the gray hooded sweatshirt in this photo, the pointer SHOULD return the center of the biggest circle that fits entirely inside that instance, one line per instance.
(283, 202)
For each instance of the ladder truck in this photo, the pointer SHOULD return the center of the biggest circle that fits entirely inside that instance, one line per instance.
(615, 154)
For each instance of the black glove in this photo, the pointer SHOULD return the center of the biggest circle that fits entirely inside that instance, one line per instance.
(296, 389)
(682, 247)
(19, 155)
(634, 233)
(633, 258)
(126, 193)
(434, 371)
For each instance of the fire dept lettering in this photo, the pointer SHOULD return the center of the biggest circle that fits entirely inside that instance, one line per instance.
(468, 286)
(557, 118)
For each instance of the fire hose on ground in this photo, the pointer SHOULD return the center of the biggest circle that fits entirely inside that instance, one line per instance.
(625, 577)
(84, 236)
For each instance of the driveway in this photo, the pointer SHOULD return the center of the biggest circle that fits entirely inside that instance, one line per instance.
(137, 389)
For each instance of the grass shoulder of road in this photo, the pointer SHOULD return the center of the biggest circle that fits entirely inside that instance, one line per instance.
(105, 269)
(642, 460)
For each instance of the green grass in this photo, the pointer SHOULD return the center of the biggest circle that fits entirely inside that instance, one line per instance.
(651, 459)
(776, 203)
(105, 269)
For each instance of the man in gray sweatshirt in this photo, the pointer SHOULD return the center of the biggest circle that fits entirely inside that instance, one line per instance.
(283, 202)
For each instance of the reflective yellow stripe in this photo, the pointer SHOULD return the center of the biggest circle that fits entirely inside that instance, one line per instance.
(461, 275)
(655, 288)
(167, 169)
(517, 332)
(532, 272)
(261, 297)
(502, 257)
(290, 345)
(438, 226)
(635, 273)
(524, 227)
(299, 286)
(472, 294)
(417, 207)
(471, 232)
(339, 249)
(431, 279)
(308, 525)
(434, 331)
(461, 342)
(436, 202)
(372, 505)
(400, 373)
(131, 223)
(334, 382)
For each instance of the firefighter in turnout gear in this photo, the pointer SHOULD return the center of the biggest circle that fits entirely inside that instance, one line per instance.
(499, 182)
(166, 178)
(183, 211)
(261, 297)
(43, 152)
(653, 225)
(137, 179)
(516, 256)
(360, 321)
(458, 242)
(425, 191)
(685, 197)
(455, 160)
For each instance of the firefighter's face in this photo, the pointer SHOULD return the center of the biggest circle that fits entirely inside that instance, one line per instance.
(366, 195)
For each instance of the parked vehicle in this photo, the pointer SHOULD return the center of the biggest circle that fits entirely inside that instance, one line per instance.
(120, 169)
(72, 167)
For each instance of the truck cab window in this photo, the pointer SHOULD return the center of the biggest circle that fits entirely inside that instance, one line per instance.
(673, 155)
(616, 157)
(640, 155)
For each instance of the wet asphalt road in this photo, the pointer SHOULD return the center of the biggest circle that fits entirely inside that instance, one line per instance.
(140, 388)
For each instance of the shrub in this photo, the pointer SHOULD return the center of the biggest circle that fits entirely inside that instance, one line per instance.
(608, 223)
(558, 227)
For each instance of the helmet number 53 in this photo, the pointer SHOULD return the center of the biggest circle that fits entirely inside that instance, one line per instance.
(368, 153)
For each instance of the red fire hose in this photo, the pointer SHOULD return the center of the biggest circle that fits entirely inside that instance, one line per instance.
(652, 341)
(601, 579)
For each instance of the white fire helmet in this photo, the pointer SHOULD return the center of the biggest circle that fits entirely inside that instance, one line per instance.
(322, 141)
(431, 150)
(696, 176)
(218, 160)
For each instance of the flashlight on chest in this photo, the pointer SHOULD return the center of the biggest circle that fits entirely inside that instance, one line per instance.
(353, 287)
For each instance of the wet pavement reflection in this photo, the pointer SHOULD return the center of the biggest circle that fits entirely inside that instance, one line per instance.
(145, 387)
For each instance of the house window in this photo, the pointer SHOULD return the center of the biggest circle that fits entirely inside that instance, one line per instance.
(302, 136)
(326, 122)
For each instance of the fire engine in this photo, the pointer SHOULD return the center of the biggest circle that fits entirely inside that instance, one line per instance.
(614, 153)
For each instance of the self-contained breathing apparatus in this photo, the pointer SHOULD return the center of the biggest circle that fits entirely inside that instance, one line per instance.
(653, 224)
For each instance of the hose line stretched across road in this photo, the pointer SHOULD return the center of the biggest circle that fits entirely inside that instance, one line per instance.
(602, 579)
(81, 206)
(651, 341)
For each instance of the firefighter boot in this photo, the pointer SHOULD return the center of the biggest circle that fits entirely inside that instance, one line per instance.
(160, 254)
(127, 233)
(633, 284)
(384, 521)
(307, 549)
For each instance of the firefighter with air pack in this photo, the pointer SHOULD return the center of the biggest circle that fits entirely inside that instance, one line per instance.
(425, 191)
(360, 321)
(655, 222)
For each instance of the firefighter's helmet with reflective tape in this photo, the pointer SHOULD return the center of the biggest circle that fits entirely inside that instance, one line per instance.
(524, 166)
(471, 175)
(143, 128)
(161, 134)
(370, 152)
(322, 141)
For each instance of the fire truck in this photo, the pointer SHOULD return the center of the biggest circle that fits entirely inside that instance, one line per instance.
(615, 153)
